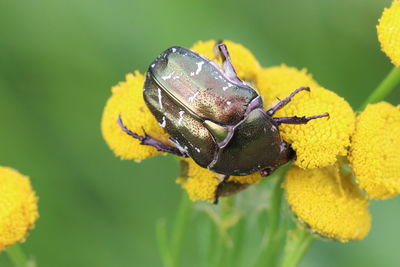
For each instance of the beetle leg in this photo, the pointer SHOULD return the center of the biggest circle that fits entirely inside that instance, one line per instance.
(227, 63)
(222, 181)
(298, 120)
(147, 140)
(282, 103)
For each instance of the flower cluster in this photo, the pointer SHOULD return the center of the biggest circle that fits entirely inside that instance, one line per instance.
(18, 207)
(341, 161)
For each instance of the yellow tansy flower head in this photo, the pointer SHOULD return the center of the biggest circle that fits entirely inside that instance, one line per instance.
(320, 141)
(245, 63)
(389, 32)
(201, 184)
(127, 101)
(18, 207)
(327, 202)
(375, 156)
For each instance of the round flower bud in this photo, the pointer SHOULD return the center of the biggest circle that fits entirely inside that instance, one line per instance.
(389, 32)
(18, 207)
(374, 153)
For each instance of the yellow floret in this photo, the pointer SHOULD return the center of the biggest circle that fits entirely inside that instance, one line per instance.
(127, 100)
(248, 179)
(328, 203)
(18, 207)
(320, 141)
(201, 183)
(375, 148)
(389, 32)
(281, 81)
(244, 62)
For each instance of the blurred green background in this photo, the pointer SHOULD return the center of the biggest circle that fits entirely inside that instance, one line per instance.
(58, 60)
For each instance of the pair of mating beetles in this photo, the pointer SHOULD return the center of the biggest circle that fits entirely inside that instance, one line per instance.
(214, 117)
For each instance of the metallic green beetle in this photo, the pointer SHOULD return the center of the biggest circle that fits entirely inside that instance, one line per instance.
(213, 116)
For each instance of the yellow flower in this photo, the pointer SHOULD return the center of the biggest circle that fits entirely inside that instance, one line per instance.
(18, 207)
(245, 63)
(320, 141)
(375, 156)
(280, 81)
(327, 202)
(389, 32)
(127, 100)
(201, 184)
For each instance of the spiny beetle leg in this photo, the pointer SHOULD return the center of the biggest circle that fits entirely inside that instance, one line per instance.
(282, 103)
(223, 180)
(227, 63)
(147, 140)
(298, 120)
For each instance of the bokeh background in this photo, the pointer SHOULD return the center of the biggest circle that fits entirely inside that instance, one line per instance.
(58, 60)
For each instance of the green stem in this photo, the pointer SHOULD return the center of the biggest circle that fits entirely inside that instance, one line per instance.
(205, 241)
(180, 228)
(219, 250)
(384, 88)
(161, 232)
(276, 203)
(297, 247)
(274, 235)
(213, 235)
(238, 242)
(222, 249)
(17, 256)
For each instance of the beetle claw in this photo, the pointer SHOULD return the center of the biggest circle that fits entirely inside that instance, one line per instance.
(266, 172)
(144, 131)
(283, 102)
(299, 120)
